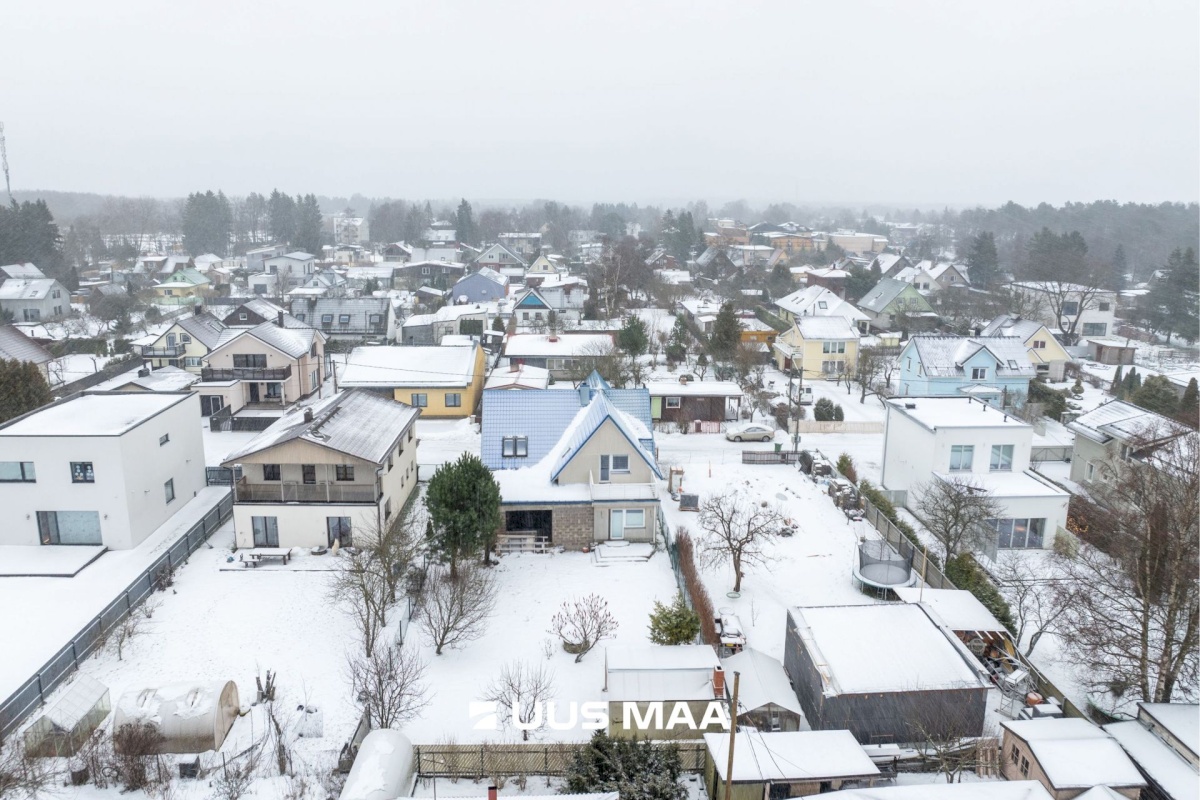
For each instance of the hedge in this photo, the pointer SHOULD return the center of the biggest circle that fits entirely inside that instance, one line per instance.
(965, 573)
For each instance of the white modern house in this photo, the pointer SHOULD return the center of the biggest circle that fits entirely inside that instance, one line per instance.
(34, 299)
(956, 439)
(1084, 310)
(291, 268)
(339, 470)
(100, 468)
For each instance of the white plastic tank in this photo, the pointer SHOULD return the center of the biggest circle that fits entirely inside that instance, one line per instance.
(383, 769)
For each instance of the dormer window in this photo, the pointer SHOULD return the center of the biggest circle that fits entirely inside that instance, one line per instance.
(979, 373)
(515, 447)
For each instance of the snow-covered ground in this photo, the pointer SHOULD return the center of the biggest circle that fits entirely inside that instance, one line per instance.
(52, 610)
(443, 440)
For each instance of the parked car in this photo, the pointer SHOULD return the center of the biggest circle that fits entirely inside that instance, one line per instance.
(752, 432)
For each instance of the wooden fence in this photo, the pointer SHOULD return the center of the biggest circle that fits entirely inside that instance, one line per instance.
(479, 761)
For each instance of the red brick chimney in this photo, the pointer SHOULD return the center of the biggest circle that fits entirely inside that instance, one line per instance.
(719, 682)
(491, 793)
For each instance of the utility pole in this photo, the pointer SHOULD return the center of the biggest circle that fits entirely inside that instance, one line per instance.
(732, 736)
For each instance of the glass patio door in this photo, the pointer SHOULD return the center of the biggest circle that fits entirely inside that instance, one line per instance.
(266, 531)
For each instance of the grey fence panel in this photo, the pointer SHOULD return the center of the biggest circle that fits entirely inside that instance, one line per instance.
(21, 703)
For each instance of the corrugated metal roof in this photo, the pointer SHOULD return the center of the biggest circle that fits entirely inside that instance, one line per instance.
(204, 328)
(599, 411)
(540, 415)
(358, 423)
(293, 342)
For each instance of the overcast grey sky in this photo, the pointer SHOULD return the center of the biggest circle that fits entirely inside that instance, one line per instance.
(643, 100)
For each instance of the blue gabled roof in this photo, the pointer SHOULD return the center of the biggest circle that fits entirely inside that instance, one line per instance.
(598, 412)
(540, 415)
(532, 299)
(596, 381)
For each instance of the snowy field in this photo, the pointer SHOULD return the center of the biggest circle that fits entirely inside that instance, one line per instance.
(52, 610)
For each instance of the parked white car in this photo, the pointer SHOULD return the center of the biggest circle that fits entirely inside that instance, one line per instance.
(752, 432)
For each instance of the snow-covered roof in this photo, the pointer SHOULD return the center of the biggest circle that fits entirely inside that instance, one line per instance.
(16, 346)
(295, 255)
(1074, 753)
(79, 700)
(94, 414)
(163, 379)
(820, 328)
(27, 288)
(26, 270)
(293, 342)
(693, 389)
(660, 672)
(945, 356)
(357, 422)
(989, 790)
(1054, 287)
(1124, 421)
(1010, 325)
(763, 681)
(955, 412)
(793, 756)
(598, 411)
(444, 314)
(204, 328)
(1181, 720)
(958, 608)
(1161, 764)
(1008, 485)
(388, 367)
(382, 769)
(523, 377)
(887, 647)
(523, 345)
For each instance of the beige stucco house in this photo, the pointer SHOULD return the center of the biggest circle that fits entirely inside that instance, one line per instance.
(340, 471)
(1048, 357)
(266, 366)
(186, 343)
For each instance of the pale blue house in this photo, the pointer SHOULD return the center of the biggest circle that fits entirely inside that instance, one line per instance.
(992, 368)
(482, 286)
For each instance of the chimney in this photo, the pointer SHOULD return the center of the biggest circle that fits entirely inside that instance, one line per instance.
(198, 309)
(719, 682)
(491, 793)
(514, 365)
(308, 415)
(279, 319)
(585, 394)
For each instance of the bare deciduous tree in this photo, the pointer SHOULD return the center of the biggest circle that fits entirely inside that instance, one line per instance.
(873, 372)
(454, 610)
(1032, 596)
(520, 691)
(361, 587)
(21, 775)
(955, 511)
(1132, 600)
(389, 684)
(735, 529)
(582, 623)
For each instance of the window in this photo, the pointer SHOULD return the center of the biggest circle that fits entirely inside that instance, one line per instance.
(673, 402)
(1070, 308)
(17, 472)
(343, 319)
(192, 361)
(1089, 471)
(327, 319)
(271, 472)
(249, 361)
(387, 508)
(822, 304)
(308, 473)
(169, 490)
(81, 472)
(635, 518)
(1014, 754)
(1039, 344)
(69, 527)
(1103, 307)
(979, 373)
(620, 463)
(420, 400)
(621, 520)
(515, 447)
(300, 317)
(833, 367)
(961, 457)
(833, 347)
(274, 391)
(265, 531)
(1125, 452)
(338, 529)
(242, 316)
(424, 270)
(453, 400)
(1002, 458)
(1012, 364)
(344, 472)
(376, 319)
(185, 338)
(1095, 328)
(1024, 767)
(1018, 534)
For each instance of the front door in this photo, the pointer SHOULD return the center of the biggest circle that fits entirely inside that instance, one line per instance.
(616, 522)
(253, 392)
(210, 404)
(266, 531)
(605, 468)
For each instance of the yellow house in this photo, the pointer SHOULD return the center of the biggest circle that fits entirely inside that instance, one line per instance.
(186, 343)
(444, 381)
(819, 347)
(1045, 353)
(183, 287)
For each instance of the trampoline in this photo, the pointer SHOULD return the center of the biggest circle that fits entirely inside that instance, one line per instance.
(881, 568)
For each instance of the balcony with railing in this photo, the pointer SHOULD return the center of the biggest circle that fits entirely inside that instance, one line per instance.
(246, 373)
(166, 351)
(291, 492)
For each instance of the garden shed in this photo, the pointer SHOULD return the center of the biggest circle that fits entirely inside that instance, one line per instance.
(67, 724)
(766, 699)
(192, 717)
(383, 768)
(777, 765)
(885, 672)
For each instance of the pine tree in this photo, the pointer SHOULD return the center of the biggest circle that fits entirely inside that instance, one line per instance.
(674, 624)
(638, 769)
(465, 228)
(1157, 395)
(281, 217)
(23, 388)
(1117, 383)
(983, 262)
(633, 338)
(308, 224)
(1189, 405)
(726, 334)
(463, 500)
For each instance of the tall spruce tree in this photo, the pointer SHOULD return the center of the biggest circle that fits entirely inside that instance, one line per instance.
(465, 228)
(308, 225)
(726, 334)
(982, 260)
(281, 217)
(22, 389)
